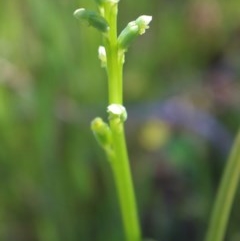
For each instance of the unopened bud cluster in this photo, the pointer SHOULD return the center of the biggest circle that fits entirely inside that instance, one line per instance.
(131, 31)
(116, 113)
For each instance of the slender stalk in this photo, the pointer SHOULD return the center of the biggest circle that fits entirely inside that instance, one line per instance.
(120, 162)
(124, 185)
(224, 200)
(114, 66)
(111, 135)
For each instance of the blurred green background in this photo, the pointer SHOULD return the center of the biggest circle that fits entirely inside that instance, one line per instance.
(182, 91)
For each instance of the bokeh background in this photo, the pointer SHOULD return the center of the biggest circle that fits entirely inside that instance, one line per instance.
(182, 91)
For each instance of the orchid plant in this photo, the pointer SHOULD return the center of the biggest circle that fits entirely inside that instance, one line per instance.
(110, 135)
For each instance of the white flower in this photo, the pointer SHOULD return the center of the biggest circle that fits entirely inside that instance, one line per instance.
(117, 111)
(102, 56)
(143, 23)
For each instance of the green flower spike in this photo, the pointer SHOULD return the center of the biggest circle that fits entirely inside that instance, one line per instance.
(133, 29)
(111, 135)
(94, 19)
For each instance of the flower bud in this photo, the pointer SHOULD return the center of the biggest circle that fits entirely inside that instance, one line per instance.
(143, 23)
(94, 19)
(128, 35)
(101, 132)
(132, 30)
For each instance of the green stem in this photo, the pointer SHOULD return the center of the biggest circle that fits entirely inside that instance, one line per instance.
(119, 161)
(114, 65)
(225, 195)
(124, 185)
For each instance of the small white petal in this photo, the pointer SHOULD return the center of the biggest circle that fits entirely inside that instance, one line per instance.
(116, 109)
(102, 56)
(143, 23)
(79, 11)
(146, 19)
(101, 51)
